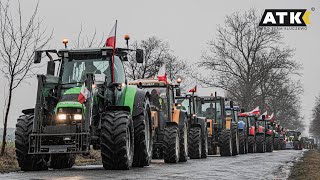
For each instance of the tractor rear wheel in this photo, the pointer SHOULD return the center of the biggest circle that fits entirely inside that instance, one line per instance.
(184, 144)
(269, 144)
(171, 144)
(251, 144)
(225, 143)
(276, 143)
(260, 143)
(204, 144)
(143, 137)
(27, 162)
(195, 143)
(61, 161)
(235, 141)
(242, 143)
(117, 140)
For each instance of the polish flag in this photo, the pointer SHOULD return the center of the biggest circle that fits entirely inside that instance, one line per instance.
(111, 40)
(193, 89)
(256, 111)
(84, 94)
(271, 118)
(162, 75)
(265, 115)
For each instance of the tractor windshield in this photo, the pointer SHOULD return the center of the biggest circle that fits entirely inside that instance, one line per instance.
(252, 121)
(75, 70)
(209, 111)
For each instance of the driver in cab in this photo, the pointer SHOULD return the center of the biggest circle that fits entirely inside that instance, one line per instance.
(210, 111)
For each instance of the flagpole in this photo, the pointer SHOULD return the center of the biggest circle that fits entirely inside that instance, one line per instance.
(114, 50)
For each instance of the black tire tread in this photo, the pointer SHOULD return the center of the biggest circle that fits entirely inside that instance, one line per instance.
(195, 142)
(169, 144)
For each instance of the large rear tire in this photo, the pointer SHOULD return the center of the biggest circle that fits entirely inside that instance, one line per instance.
(195, 143)
(117, 140)
(269, 144)
(276, 143)
(242, 143)
(251, 144)
(61, 161)
(184, 144)
(26, 161)
(225, 143)
(171, 144)
(143, 137)
(260, 143)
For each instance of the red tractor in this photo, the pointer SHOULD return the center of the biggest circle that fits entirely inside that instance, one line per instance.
(269, 135)
(250, 120)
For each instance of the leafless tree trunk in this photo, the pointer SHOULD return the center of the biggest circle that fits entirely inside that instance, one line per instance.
(18, 41)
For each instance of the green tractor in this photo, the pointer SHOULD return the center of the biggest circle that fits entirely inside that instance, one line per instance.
(114, 117)
(198, 133)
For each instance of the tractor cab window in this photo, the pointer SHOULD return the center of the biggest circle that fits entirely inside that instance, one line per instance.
(208, 109)
(228, 112)
(252, 121)
(75, 70)
(260, 123)
(236, 118)
(185, 105)
(119, 74)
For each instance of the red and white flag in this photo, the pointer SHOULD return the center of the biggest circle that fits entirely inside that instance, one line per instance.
(255, 111)
(193, 89)
(265, 115)
(111, 40)
(84, 94)
(162, 75)
(271, 118)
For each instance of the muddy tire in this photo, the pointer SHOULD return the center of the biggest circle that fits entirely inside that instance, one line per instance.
(251, 144)
(260, 144)
(269, 144)
(276, 144)
(26, 161)
(143, 141)
(242, 143)
(225, 143)
(235, 141)
(117, 140)
(195, 143)
(171, 144)
(184, 144)
(61, 161)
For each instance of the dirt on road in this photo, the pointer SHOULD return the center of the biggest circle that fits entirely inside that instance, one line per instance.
(308, 167)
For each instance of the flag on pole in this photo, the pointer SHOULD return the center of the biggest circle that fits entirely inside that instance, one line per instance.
(111, 42)
(256, 111)
(84, 94)
(162, 75)
(265, 115)
(271, 118)
(193, 90)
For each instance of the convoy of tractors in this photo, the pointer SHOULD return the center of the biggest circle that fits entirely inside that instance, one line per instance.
(85, 102)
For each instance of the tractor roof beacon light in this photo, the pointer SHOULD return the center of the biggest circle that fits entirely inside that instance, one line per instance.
(65, 42)
(179, 80)
(127, 37)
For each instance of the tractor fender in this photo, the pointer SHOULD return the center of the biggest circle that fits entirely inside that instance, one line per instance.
(241, 125)
(28, 111)
(182, 119)
(139, 101)
(171, 124)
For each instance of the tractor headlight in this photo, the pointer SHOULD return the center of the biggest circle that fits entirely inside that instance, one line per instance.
(62, 117)
(77, 117)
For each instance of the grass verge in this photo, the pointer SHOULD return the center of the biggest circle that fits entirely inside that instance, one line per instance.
(308, 167)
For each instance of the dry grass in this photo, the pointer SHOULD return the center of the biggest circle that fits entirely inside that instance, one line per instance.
(8, 162)
(308, 167)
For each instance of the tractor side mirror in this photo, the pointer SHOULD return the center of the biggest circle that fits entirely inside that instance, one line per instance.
(178, 92)
(242, 110)
(231, 104)
(139, 55)
(263, 117)
(51, 68)
(37, 56)
(202, 100)
(299, 133)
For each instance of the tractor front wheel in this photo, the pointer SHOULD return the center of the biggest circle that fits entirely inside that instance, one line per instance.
(260, 143)
(117, 140)
(171, 144)
(27, 162)
(251, 144)
(242, 143)
(195, 143)
(225, 143)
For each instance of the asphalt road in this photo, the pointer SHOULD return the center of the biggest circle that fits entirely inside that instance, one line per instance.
(274, 165)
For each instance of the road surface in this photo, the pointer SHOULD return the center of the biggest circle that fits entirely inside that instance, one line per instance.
(250, 166)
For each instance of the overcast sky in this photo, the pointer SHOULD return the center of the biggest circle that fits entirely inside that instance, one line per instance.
(187, 25)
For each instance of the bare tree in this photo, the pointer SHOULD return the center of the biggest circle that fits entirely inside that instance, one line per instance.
(247, 60)
(85, 41)
(18, 41)
(315, 121)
